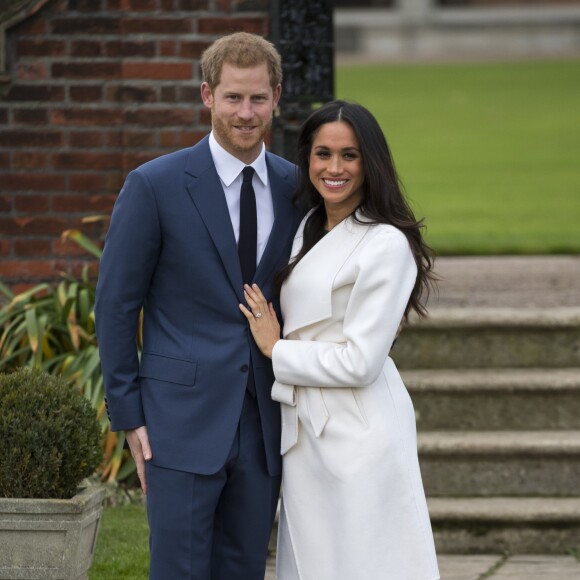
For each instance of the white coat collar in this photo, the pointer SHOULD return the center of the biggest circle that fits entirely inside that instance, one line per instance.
(306, 296)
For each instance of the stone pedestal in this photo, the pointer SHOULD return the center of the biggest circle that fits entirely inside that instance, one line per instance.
(45, 539)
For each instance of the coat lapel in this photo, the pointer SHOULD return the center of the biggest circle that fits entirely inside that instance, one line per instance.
(205, 189)
(307, 294)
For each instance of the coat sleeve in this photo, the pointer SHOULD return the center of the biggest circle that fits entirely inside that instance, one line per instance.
(129, 258)
(385, 276)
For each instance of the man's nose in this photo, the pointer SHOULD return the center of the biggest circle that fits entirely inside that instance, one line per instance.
(246, 110)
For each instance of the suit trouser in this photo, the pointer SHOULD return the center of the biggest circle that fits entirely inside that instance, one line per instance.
(214, 527)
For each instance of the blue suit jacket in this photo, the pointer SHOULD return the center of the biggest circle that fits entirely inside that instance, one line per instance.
(171, 250)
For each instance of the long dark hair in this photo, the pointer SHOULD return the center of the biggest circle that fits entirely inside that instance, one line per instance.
(382, 202)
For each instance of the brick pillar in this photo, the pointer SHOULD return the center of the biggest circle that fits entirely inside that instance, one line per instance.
(96, 87)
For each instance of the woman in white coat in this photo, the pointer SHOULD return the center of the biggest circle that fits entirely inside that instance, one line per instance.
(353, 505)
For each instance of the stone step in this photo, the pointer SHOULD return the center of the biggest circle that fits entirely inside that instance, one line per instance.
(498, 463)
(491, 338)
(505, 525)
(495, 399)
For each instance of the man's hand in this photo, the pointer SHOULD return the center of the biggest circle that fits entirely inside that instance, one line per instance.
(138, 441)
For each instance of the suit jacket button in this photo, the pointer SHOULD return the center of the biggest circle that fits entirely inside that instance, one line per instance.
(244, 368)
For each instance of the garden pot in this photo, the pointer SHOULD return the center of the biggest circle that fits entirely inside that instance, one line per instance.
(49, 539)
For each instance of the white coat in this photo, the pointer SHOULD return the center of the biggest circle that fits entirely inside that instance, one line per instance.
(353, 505)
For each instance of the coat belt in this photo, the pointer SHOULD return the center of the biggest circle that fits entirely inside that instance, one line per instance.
(288, 395)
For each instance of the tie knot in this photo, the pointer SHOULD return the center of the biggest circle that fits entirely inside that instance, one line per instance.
(248, 172)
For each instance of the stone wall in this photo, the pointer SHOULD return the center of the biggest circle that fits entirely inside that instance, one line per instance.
(459, 30)
(90, 90)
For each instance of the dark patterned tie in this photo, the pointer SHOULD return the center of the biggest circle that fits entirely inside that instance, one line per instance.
(248, 239)
(247, 243)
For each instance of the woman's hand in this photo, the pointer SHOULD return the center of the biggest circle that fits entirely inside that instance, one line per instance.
(262, 318)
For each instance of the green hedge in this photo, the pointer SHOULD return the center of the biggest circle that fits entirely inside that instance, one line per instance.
(51, 439)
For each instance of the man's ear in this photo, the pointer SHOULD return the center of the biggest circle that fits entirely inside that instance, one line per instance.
(206, 95)
(277, 94)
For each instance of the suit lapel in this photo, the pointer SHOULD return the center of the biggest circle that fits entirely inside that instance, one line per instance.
(206, 192)
(281, 187)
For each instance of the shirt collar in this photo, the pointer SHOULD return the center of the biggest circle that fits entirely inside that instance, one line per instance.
(229, 167)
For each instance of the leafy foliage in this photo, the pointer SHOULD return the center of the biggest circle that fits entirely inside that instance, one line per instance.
(53, 328)
(50, 436)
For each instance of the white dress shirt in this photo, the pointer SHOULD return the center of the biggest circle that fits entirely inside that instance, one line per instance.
(229, 169)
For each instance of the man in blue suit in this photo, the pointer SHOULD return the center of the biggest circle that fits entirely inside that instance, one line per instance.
(196, 407)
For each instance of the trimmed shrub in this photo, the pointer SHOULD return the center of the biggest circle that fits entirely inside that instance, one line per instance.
(50, 437)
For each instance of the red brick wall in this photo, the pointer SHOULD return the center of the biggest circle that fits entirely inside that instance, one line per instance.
(96, 88)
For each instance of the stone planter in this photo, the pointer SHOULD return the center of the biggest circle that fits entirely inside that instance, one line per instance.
(49, 539)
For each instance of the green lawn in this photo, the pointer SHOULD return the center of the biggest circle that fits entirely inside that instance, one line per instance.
(489, 153)
(122, 545)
